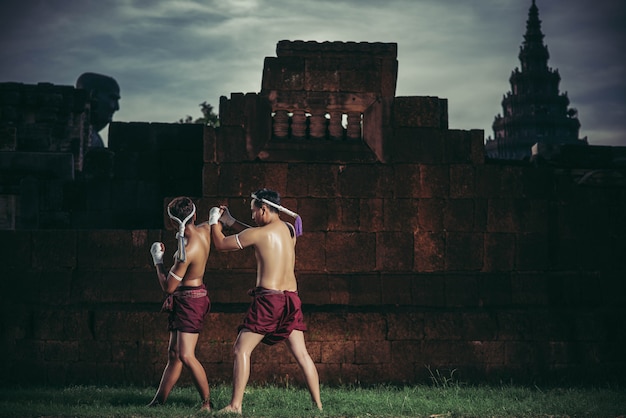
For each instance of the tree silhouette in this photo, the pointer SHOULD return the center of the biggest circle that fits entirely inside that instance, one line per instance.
(209, 118)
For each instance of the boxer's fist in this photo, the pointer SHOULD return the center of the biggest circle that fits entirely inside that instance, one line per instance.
(157, 250)
(214, 215)
(226, 218)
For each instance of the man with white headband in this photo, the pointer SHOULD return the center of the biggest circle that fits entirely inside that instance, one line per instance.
(275, 314)
(187, 300)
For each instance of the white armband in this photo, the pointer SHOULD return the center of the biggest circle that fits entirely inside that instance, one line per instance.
(177, 277)
(238, 242)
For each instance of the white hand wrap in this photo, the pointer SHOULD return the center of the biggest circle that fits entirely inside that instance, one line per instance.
(157, 250)
(226, 218)
(214, 216)
(180, 236)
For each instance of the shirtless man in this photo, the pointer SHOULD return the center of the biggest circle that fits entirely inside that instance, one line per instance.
(275, 313)
(187, 300)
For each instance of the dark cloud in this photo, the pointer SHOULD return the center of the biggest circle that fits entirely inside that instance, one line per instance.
(169, 56)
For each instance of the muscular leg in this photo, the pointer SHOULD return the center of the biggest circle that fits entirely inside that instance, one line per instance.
(171, 373)
(187, 352)
(296, 345)
(245, 344)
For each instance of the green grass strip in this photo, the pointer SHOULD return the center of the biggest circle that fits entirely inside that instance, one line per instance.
(450, 400)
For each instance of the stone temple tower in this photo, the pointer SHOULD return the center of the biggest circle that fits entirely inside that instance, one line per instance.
(534, 111)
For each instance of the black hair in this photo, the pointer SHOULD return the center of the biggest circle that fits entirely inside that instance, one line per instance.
(269, 195)
(181, 207)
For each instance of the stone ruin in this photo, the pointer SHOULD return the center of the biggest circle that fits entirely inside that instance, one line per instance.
(417, 250)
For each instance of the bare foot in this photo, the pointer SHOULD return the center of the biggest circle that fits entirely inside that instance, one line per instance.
(230, 410)
(315, 405)
(207, 406)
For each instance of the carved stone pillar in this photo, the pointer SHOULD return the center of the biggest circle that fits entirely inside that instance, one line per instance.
(281, 124)
(298, 125)
(354, 125)
(335, 129)
(317, 127)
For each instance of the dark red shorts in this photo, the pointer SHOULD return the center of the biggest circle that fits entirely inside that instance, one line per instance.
(190, 305)
(274, 314)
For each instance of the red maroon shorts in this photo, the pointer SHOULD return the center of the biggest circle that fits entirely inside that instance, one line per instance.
(190, 305)
(274, 314)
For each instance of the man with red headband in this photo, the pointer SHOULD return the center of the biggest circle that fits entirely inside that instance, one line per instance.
(275, 314)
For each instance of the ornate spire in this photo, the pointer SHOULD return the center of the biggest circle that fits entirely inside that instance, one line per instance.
(534, 110)
(533, 53)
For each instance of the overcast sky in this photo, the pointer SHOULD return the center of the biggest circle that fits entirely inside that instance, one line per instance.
(171, 55)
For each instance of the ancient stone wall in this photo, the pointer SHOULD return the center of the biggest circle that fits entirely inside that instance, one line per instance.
(486, 269)
(424, 256)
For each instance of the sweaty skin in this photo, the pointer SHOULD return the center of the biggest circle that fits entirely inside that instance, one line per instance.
(181, 349)
(274, 245)
(197, 249)
(274, 248)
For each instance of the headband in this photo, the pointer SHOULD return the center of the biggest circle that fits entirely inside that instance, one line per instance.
(182, 255)
(298, 222)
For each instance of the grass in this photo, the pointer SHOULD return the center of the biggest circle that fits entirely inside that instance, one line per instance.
(437, 400)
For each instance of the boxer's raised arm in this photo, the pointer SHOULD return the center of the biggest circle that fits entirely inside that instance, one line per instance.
(157, 250)
(175, 275)
(168, 281)
(228, 243)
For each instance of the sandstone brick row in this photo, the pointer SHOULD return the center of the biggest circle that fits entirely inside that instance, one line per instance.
(124, 346)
